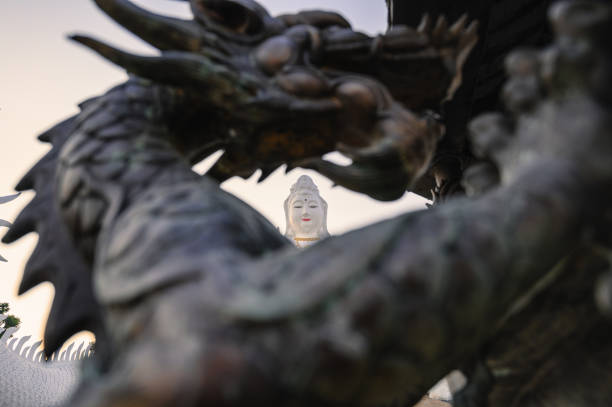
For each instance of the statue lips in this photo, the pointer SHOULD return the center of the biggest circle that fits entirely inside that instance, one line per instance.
(306, 219)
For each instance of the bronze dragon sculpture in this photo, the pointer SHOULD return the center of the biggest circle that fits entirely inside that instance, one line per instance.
(140, 247)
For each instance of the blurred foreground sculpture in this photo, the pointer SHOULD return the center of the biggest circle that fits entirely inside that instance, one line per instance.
(500, 285)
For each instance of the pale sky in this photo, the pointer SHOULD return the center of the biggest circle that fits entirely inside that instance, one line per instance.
(42, 78)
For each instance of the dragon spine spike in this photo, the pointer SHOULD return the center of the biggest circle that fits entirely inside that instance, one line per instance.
(49, 261)
(37, 269)
(56, 135)
(164, 33)
(24, 224)
(27, 181)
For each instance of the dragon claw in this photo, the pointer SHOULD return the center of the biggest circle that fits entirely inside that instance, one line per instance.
(424, 24)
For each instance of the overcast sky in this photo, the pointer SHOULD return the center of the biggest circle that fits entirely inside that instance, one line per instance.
(43, 76)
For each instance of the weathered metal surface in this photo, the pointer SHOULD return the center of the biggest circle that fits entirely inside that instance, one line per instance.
(373, 317)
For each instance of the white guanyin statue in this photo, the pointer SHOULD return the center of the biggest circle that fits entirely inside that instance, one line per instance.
(305, 213)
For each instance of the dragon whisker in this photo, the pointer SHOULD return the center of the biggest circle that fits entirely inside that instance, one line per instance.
(175, 68)
(164, 33)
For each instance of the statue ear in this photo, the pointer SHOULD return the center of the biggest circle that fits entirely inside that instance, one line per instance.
(289, 233)
(323, 232)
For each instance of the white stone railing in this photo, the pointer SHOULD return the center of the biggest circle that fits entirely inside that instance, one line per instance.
(28, 380)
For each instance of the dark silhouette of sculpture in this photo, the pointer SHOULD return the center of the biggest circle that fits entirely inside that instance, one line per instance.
(499, 285)
(504, 25)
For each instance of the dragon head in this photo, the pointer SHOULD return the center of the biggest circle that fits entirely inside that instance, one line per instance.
(289, 89)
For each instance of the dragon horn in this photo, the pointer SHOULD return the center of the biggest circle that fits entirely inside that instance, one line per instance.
(176, 68)
(164, 33)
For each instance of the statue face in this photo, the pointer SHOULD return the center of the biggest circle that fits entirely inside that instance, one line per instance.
(305, 214)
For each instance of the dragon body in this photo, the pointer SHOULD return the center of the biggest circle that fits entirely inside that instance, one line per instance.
(140, 247)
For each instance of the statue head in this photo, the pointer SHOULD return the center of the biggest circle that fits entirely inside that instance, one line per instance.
(305, 211)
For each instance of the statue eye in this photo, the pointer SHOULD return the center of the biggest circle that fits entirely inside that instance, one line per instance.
(297, 206)
(314, 206)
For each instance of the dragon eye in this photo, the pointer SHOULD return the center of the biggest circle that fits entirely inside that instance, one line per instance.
(237, 16)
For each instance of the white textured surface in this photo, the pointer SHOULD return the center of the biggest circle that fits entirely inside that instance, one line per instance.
(27, 381)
